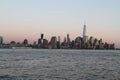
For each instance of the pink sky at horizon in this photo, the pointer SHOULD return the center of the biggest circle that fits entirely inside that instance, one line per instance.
(32, 34)
(20, 19)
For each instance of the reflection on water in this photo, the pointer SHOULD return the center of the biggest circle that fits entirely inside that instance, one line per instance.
(59, 64)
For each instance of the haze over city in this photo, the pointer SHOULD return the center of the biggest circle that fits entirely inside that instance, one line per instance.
(29, 18)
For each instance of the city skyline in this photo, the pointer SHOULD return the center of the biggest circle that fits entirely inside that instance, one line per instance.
(79, 42)
(28, 19)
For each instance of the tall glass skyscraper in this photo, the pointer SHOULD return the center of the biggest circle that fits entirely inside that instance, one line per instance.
(84, 30)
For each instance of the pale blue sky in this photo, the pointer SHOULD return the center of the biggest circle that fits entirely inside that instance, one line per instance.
(28, 18)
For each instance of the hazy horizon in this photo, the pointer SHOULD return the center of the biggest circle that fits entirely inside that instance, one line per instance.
(29, 18)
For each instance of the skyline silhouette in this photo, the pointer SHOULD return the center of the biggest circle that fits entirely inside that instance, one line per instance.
(84, 42)
(28, 19)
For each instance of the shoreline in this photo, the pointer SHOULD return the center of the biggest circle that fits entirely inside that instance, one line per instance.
(55, 49)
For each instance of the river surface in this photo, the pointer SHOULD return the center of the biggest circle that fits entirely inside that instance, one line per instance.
(45, 64)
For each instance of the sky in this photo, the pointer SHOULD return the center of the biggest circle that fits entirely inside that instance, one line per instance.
(20, 19)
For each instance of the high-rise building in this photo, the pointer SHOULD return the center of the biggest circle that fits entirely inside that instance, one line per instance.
(34, 44)
(1, 40)
(85, 39)
(25, 42)
(40, 41)
(59, 39)
(45, 43)
(64, 43)
(68, 41)
(42, 35)
(68, 38)
(58, 42)
(84, 30)
(53, 42)
(91, 41)
(78, 42)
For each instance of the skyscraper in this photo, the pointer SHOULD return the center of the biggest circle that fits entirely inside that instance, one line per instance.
(40, 41)
(84, 30)
(85, 38)
(58, 43)
(59, 39)
(42, 36)
(1, 40)
(68, 41)
(53, 42)
(68, 38)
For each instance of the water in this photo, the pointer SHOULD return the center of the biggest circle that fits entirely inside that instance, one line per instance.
(39, 64)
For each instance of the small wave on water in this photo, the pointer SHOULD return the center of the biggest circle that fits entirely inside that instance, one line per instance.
(59, 64)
